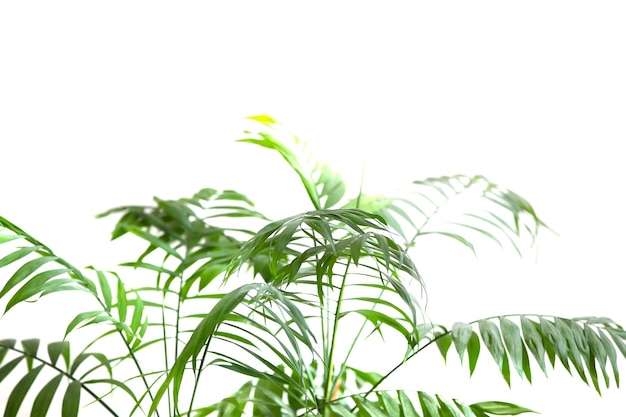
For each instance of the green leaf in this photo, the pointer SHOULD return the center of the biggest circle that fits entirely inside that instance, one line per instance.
(137, 314)
(19, 392)
(153, 240)
(443, 344)
(388, 404)
(30, 346)
(368, 408)
(341, 410)
(429, 405)
(122, 303)
(461, 334)
(8, 238)
(55, 349)
(101, 358)
(473, 351)
(71, 400)
(18, 254)
(534, 341)
(513, 342)
(113, 382)
(266, 393)
(377, 318)
(105, 289)
(611, 354)
(5, 345)
(500, 408)
(24, 271)
(82, 319)
(491, 338)
(9, 366)
(362, 377)
(555, 342)
(45, 396)
(406, 405)
(38, 284)
(597, 353)
(566, 332)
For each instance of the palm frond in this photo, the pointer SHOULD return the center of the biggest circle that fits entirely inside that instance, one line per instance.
(585, 345)
(464, 208)
(68, 371)
(323, 185)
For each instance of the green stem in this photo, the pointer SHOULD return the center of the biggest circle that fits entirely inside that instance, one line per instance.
(165, 349)
(330, 380)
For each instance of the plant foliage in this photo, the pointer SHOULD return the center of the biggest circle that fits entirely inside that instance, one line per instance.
(285, 304)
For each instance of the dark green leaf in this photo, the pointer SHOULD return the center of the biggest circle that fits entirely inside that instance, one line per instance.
(44, 398)
(55, 350)
(473, 350)
(554, 342)
(30, 346)
(534, 341)
(443, 344)
(9, 366)
(5, 345)
(19, 392)
(71, 400)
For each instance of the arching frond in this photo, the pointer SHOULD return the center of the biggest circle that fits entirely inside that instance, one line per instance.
(463, 208)
(324, 186)
(70, 377)
(586, 345)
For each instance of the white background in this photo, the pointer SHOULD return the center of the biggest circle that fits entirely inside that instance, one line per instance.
(110, 103)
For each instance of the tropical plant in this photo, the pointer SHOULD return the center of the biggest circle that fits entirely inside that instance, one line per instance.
(285, 304)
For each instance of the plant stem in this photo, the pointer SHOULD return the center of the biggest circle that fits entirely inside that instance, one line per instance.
(330, 380)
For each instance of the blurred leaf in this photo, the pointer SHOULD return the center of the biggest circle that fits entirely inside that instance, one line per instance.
(491, 337)
(44, 397)
(19, 392)
(513, 342)
(18, 254)
(500, 408)
(55, 350)
(6, 369)
(71, 400)
(461, 333)
(30, 346)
